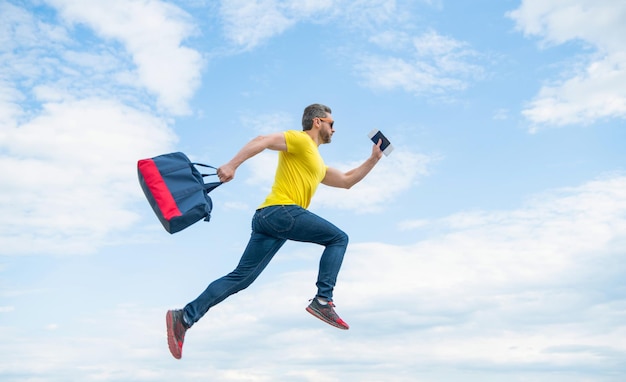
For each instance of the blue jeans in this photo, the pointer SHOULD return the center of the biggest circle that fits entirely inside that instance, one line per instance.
(271, 227)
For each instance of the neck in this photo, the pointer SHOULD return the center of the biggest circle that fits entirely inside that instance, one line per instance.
(314, 134)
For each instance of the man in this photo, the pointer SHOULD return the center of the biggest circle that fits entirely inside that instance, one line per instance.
(283, 216)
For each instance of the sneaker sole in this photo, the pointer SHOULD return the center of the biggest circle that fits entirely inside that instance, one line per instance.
(171, 339)
(321, 317)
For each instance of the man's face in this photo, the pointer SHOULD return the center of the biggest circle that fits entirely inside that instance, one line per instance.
(327, 130)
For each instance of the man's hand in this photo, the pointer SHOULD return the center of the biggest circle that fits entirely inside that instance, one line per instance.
(376, 151)
(226, 172)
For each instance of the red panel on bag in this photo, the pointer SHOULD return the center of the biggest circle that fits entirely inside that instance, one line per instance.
(158, 188)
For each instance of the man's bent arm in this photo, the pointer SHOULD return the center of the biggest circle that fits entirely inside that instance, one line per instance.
(275, 141)
(336, 178)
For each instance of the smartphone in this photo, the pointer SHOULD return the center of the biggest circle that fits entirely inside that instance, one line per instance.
(385, 146)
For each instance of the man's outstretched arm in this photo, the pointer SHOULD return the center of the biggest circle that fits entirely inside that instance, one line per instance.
(276, 141)
(336, 178)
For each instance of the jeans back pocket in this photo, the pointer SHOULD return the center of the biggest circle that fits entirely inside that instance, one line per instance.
(274, 220)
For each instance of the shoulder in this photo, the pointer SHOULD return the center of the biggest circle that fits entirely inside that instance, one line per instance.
(296, 139)
(294, 134)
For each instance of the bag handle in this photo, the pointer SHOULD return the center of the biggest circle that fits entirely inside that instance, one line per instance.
(205, 165)
(208, 187)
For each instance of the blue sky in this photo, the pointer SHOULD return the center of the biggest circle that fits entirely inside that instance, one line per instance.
(489, 246)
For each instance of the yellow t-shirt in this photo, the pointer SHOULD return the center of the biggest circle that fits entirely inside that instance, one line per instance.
(300, 170)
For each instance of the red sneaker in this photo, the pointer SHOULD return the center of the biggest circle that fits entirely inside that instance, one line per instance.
(175, 332)
(327, 314)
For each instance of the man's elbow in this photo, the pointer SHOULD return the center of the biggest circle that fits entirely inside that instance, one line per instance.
(338, 183)
(347, 184)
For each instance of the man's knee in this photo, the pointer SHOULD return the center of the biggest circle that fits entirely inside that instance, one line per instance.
(341, 238)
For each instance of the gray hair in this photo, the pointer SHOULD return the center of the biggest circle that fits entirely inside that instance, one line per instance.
(313, 111)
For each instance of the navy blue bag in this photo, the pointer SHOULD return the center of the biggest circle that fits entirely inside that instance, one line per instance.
(176, 190)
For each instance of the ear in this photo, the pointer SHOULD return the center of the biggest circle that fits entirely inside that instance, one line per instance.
(317, 123)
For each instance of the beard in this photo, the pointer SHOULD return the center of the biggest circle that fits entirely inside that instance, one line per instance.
(326, 136)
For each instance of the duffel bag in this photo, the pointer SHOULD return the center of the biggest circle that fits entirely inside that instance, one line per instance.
(176, 190)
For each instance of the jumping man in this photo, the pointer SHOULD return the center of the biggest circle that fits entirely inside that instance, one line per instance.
(284, 216)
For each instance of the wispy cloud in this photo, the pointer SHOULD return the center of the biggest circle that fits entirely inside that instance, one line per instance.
(534, 292)
(68, 179)
(429, 64)
(76, 114)
(522, 281)
(508, 293)
(392, 176)
(152, 33)
(592, 91)
(250, 23)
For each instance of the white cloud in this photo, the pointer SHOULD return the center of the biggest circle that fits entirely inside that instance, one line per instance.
(371, 14)
(249, 23)
(599, 22)
(152, 32)
(74, 118)
(539, 286)
(498, 296)
(392, 175)
(20, 29)
(556, 236)
(508, 287)
(69, 174)
(24, 45)
(501, 114)
(595, 91)
(434, 64)
(10, 110)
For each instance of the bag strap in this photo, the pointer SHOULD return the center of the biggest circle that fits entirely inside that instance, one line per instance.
(205, 165)
(208, 187)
